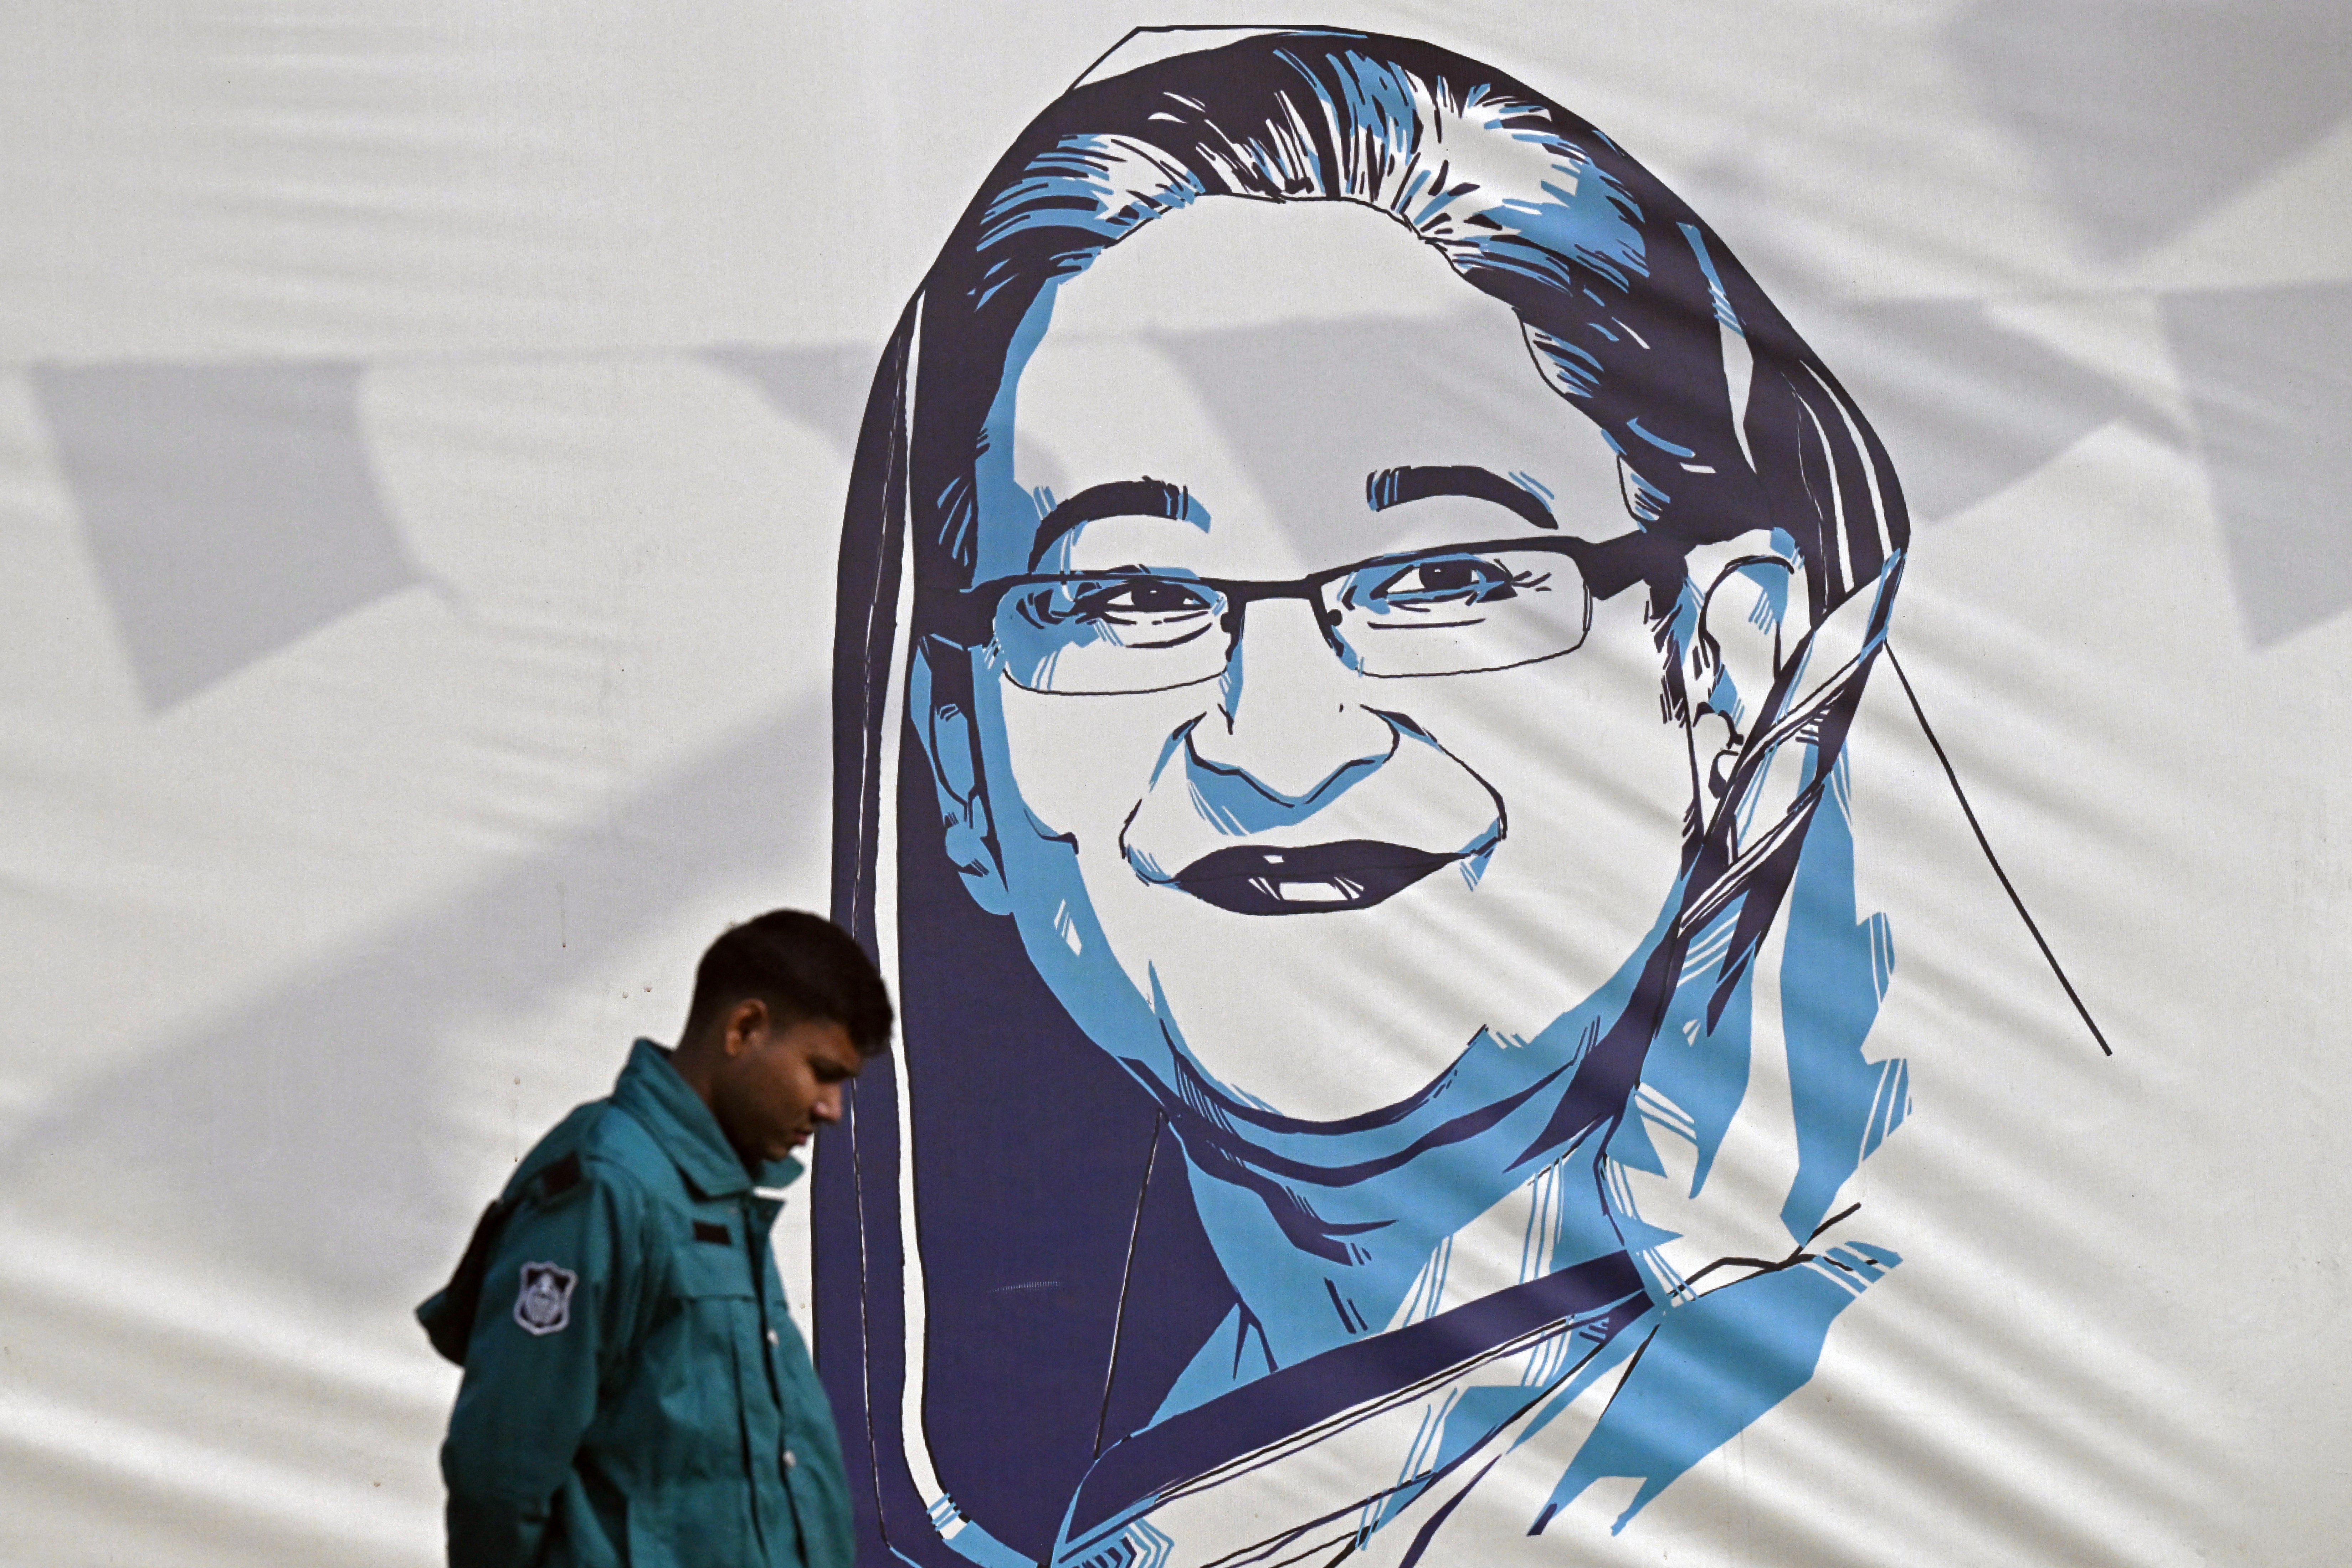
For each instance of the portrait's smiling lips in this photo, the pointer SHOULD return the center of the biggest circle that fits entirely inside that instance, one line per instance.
(1318, 879)
(1371, 828)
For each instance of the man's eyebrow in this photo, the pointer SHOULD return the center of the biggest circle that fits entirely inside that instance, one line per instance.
(1394, 487)
(1119, 498)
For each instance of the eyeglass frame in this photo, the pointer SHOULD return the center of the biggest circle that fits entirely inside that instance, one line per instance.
(1240, 593)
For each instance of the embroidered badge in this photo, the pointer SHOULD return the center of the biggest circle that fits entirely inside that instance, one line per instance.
(544, 1304)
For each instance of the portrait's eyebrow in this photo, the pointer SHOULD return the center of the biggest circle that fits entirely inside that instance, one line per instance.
(1119, 498)
(1394, 487)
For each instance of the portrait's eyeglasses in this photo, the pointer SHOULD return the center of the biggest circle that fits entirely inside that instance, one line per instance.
(1453, 611)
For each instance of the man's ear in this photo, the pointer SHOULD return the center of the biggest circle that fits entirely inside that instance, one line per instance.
(744, 1020)
(1744, 636)
(940, 708)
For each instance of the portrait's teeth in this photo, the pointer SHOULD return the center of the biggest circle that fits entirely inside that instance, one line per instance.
(1311, 892)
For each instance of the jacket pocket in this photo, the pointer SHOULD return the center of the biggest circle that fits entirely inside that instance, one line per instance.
(701, 1394)
(704, 1272)
(701, 1509)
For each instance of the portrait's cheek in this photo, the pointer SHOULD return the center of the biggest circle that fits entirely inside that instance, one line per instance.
(1595, 785)
(1079, 764)
(1588, 764)
(1063, 774)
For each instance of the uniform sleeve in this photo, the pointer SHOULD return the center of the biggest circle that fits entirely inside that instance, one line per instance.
(561, 1289)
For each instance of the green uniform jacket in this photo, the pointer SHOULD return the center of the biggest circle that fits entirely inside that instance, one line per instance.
(635, 1394)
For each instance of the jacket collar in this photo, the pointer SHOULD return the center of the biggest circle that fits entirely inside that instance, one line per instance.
(650, 1089)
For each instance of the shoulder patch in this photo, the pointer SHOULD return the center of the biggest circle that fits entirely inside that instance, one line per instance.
(543, 1305)
(562, 1176)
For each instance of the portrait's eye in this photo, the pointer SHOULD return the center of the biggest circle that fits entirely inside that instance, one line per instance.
(1135, 611)
(1446, 582)
(1129, 599)
(1119, 631)
(1457, 612)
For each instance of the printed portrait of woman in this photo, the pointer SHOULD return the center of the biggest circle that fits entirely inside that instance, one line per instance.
(1349, 610)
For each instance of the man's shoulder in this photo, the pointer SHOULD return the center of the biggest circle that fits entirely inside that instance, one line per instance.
(598, 1145)
(616, 1153)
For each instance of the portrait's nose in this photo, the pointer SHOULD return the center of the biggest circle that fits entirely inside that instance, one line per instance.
(1286, 714)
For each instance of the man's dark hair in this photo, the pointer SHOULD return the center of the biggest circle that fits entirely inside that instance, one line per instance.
(801, 965)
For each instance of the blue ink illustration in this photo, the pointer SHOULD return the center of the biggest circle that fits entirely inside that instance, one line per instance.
(1349, 610)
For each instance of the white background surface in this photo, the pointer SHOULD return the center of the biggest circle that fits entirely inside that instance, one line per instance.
(306, 942)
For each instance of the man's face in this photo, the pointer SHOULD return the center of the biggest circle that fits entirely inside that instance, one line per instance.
(779, 1081)
(1324, 880)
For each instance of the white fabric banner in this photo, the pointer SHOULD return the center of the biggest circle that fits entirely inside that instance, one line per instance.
(426, 435)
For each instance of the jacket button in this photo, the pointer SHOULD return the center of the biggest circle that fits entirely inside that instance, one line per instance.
(772, 1337)
(791, 1460)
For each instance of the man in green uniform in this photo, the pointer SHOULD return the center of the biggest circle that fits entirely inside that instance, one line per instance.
(634, 1390)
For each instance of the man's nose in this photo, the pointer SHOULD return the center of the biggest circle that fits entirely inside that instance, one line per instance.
(827, 1108)
(1287, 715)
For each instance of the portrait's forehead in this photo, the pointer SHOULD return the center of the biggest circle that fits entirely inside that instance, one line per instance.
(1231, 262)
(1271, 360)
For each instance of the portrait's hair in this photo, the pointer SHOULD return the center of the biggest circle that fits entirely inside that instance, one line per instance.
(803, 967)
(1632, 309)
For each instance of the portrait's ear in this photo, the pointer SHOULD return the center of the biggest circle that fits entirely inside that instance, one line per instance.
(940, 705)
(1742, 641)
